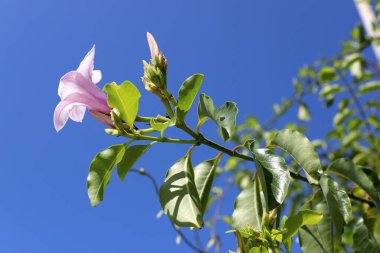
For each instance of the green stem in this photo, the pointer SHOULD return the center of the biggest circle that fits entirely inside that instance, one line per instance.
(148, 119)
(168, 107)
(146, 131)
(159, 139)
(170, 97)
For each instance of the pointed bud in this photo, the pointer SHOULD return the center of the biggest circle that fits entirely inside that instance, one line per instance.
(155, 72)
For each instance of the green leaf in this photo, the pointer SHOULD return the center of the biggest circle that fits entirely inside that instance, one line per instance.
(303, 112)
(224, 117)
(161, 126)
(249, 205)
(274, 176)
(317, 238)
(369, 87)
(328, 91)
(338, 202)
(130, 157)
(364, 242)
(100, 172)
(302, 151)
(342, 116)
(206, 109)
(188, 92)
(346, 168)
(227, 119)
(327, 74)
(349, 139)
(179, 196)
(204, 177)
(304, 217)
(260, 249)
(125, 98)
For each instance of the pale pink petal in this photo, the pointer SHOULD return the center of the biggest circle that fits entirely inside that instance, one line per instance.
(104, 118)
(87, 65)
(65, 107)
(77, 113)
(152, 45)
(96, 76)
(74, 82)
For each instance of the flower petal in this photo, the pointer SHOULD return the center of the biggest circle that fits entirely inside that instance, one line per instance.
(152, 45)
(104, 118)
(87, 65)
(74, 82)
(72, 106)
(77, 113)
(96, 76)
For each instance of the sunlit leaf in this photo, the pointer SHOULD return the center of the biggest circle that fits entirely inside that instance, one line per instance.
(303, 112)
(302, 151)
(327, 74)
(302, 218)
(369, 87)
(188, 91)
(125, 98)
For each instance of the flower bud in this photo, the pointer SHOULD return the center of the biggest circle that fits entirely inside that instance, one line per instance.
(154, 77)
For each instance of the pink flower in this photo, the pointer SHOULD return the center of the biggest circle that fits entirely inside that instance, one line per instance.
(78, 91)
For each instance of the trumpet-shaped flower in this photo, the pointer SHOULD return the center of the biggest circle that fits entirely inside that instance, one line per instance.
(78, 91)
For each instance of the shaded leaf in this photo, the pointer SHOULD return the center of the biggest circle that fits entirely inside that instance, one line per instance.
(364, 242)
(100, 172)
(317, 238)
(274, 176)
(346, 168)
(227, 119)
(338, 202)
(224, 117)
(204, 177)
(179, 197)
(302, 151)
(248, 207)
(125, 98)
(130, 157)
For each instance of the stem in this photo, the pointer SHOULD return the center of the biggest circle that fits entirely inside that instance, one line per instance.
(202, 140)
(148, 119)
(159, 139)
(170, 97)
(168, 107)
(146, 131)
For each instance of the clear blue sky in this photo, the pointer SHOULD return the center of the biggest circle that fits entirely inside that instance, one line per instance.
(248, 50)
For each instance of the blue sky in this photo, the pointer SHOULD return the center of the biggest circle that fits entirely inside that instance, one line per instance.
(248, 50)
